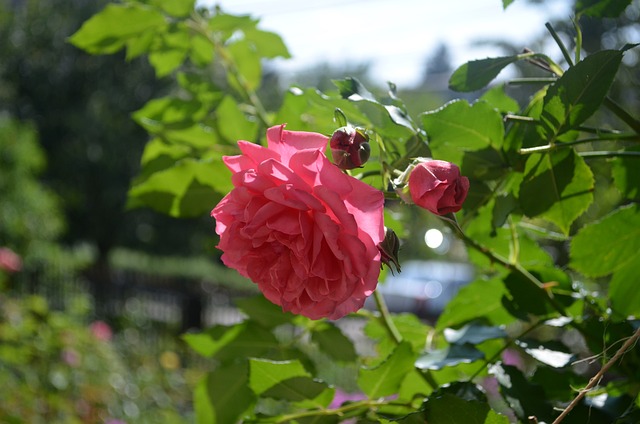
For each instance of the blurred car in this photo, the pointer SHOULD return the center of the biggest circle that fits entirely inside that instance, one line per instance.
(423, 287)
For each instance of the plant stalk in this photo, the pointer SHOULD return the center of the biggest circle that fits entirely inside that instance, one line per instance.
(385, 317)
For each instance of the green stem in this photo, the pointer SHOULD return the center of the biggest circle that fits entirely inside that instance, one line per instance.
(522, 81)
(385, 317)
(353, 406)
(519, 118)
(578, 40)
(622, 114)
(563, 49)
(608, 154)
(558, 145)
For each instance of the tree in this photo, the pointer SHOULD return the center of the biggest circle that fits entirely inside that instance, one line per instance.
(81, 106)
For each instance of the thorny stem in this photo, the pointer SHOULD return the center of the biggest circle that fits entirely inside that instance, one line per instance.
(596, 378)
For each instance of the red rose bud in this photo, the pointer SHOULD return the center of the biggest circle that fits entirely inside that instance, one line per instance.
(389, 248)
(437, 186)
(350, 147)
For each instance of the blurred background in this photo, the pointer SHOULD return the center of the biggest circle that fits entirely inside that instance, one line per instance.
(95, 296)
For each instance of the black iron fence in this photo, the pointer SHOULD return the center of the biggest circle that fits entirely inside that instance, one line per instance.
(180, 302)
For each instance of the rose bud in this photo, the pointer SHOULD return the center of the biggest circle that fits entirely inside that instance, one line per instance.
(389, 248)
(350, 147)
(437, 186)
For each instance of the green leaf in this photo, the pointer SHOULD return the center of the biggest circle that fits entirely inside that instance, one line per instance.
(450, 409)
(311, 110)
(229, 24)
(247, 63)
(233, 124)
(188, 188)
(201, 404)
(264, 374)
(626, 175)
(109, 30)
(617, 237)
(296, 389)
(473, 334)
(334, 343)
(388, 120)
(224, 396)
(476, 74)
(467, 135)
(208, 343)
(601, 8)
(481, 298)
(557, 186)
(169, 49)
(511, 243)
(157, 114)
(576, 95)
(526, 298)
(506, 3)
(385, 379)
(414, 385)
(497, 98)
(176, 8)
(227, 344)
(267, 44)
(202, 51)
(410, 327)
(265, 313)
(450, 356)
(623, 291)
(525, 398)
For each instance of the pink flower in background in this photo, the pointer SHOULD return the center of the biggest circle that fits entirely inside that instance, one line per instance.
(340, 397)
(9, 260)
(70, 357)
(298, 227)
(101, 330)
(437, 186)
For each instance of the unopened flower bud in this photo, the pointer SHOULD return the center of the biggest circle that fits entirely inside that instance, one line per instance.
(350, 147)
(389, 248)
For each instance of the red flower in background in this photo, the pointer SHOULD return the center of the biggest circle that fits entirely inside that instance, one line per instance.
(298, 227)
(9, 260)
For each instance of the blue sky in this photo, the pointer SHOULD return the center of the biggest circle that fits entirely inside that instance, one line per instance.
(397, 36)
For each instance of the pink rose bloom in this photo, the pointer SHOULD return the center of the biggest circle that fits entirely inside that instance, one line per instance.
(101, 331)
(298, 227)
(9, 260)
(437, 186)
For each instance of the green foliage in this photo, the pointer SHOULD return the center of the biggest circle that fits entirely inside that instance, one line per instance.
(56, 367)
(30, 213)
(534, 173)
